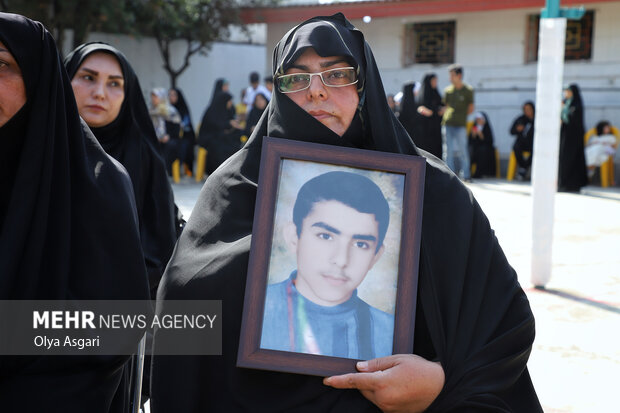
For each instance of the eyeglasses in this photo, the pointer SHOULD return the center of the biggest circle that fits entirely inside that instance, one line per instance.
(339, 77)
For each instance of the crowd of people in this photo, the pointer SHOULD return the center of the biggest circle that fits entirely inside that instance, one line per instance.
(87, 213)
(448, 127)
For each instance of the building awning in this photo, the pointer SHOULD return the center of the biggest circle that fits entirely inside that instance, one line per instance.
(300, 10)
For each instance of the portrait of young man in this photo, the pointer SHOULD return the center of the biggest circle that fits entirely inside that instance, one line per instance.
(337, 234)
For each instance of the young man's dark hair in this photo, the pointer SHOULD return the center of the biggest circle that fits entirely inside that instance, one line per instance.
(254, 77)
(456, 68)
(351, 189)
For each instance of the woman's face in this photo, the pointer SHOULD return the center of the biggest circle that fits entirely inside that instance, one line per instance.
(99, 89)
(260, 102)
(528, 111)
(173, 96)
(568, 94)
(12, 87)
(334, 107)
(434, 82)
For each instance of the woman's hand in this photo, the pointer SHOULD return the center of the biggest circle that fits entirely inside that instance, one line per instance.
(423, 110)
(398, 383)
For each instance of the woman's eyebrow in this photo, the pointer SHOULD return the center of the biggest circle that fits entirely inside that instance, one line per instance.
(94, 72)
(322, 64)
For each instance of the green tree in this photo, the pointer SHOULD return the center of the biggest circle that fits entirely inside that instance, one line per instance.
(194, 23)
(81, 16)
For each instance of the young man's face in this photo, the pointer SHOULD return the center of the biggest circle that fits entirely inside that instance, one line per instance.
(335, 251)
(455, 78)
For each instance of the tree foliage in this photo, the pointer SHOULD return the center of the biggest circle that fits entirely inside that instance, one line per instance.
(195, 24)
(81, 16)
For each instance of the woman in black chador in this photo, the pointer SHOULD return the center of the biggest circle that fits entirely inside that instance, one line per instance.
(258, 107)
(68, 225)
(177, 99)
(129, 138)
(429, 111)
(220, 133)
(407, 115)
(474, 328)
(481, 149)
(523, 129)
(572, 173)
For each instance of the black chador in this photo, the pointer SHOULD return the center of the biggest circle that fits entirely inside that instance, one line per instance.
(472, 315)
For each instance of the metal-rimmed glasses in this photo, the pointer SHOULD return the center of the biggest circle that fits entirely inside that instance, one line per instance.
(338, 77)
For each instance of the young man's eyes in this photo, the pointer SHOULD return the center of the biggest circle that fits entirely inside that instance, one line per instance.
(326, 236)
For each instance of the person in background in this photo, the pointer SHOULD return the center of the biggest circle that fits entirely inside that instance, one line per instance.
(482, 151)
(241, 110)
(167, 123)
(465, 282)
(392, 104)
(221, 85)
(600, 147)
(189, 136)
(407, 114)
(254, 88)
(68, 225)
(459, 102)
(572, 175)
(220, 132)
(523, 129)
(429, 111)
(269, 84)
(260, 103)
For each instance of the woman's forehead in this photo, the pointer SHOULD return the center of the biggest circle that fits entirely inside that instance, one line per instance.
(311, 58)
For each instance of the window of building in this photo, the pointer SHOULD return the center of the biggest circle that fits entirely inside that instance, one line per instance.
(429, 43)
(578, 45)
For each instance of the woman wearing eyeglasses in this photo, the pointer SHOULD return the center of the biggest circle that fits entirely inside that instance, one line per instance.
(474, 328)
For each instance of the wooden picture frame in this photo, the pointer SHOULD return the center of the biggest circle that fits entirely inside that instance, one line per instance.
(284, 160)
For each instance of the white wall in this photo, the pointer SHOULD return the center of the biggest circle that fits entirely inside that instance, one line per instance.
(491, 47)
(233, 61)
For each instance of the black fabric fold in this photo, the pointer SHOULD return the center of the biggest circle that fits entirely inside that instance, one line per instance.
(70, 231)
(476, 319)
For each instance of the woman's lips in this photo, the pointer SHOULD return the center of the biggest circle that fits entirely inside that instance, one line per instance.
(319, 114)
(95, 108)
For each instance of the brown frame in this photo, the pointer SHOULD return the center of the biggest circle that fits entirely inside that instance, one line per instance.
(273, 151)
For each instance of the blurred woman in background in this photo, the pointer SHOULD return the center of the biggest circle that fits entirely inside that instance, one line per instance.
(572, 170)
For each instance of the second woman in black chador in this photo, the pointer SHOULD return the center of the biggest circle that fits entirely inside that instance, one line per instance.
(130, 139)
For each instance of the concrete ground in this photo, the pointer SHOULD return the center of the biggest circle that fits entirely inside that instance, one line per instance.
(575, 362)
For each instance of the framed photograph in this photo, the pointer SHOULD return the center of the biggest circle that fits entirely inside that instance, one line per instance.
(333, 269)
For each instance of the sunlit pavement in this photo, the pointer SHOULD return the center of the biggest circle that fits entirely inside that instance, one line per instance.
(575, 363)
